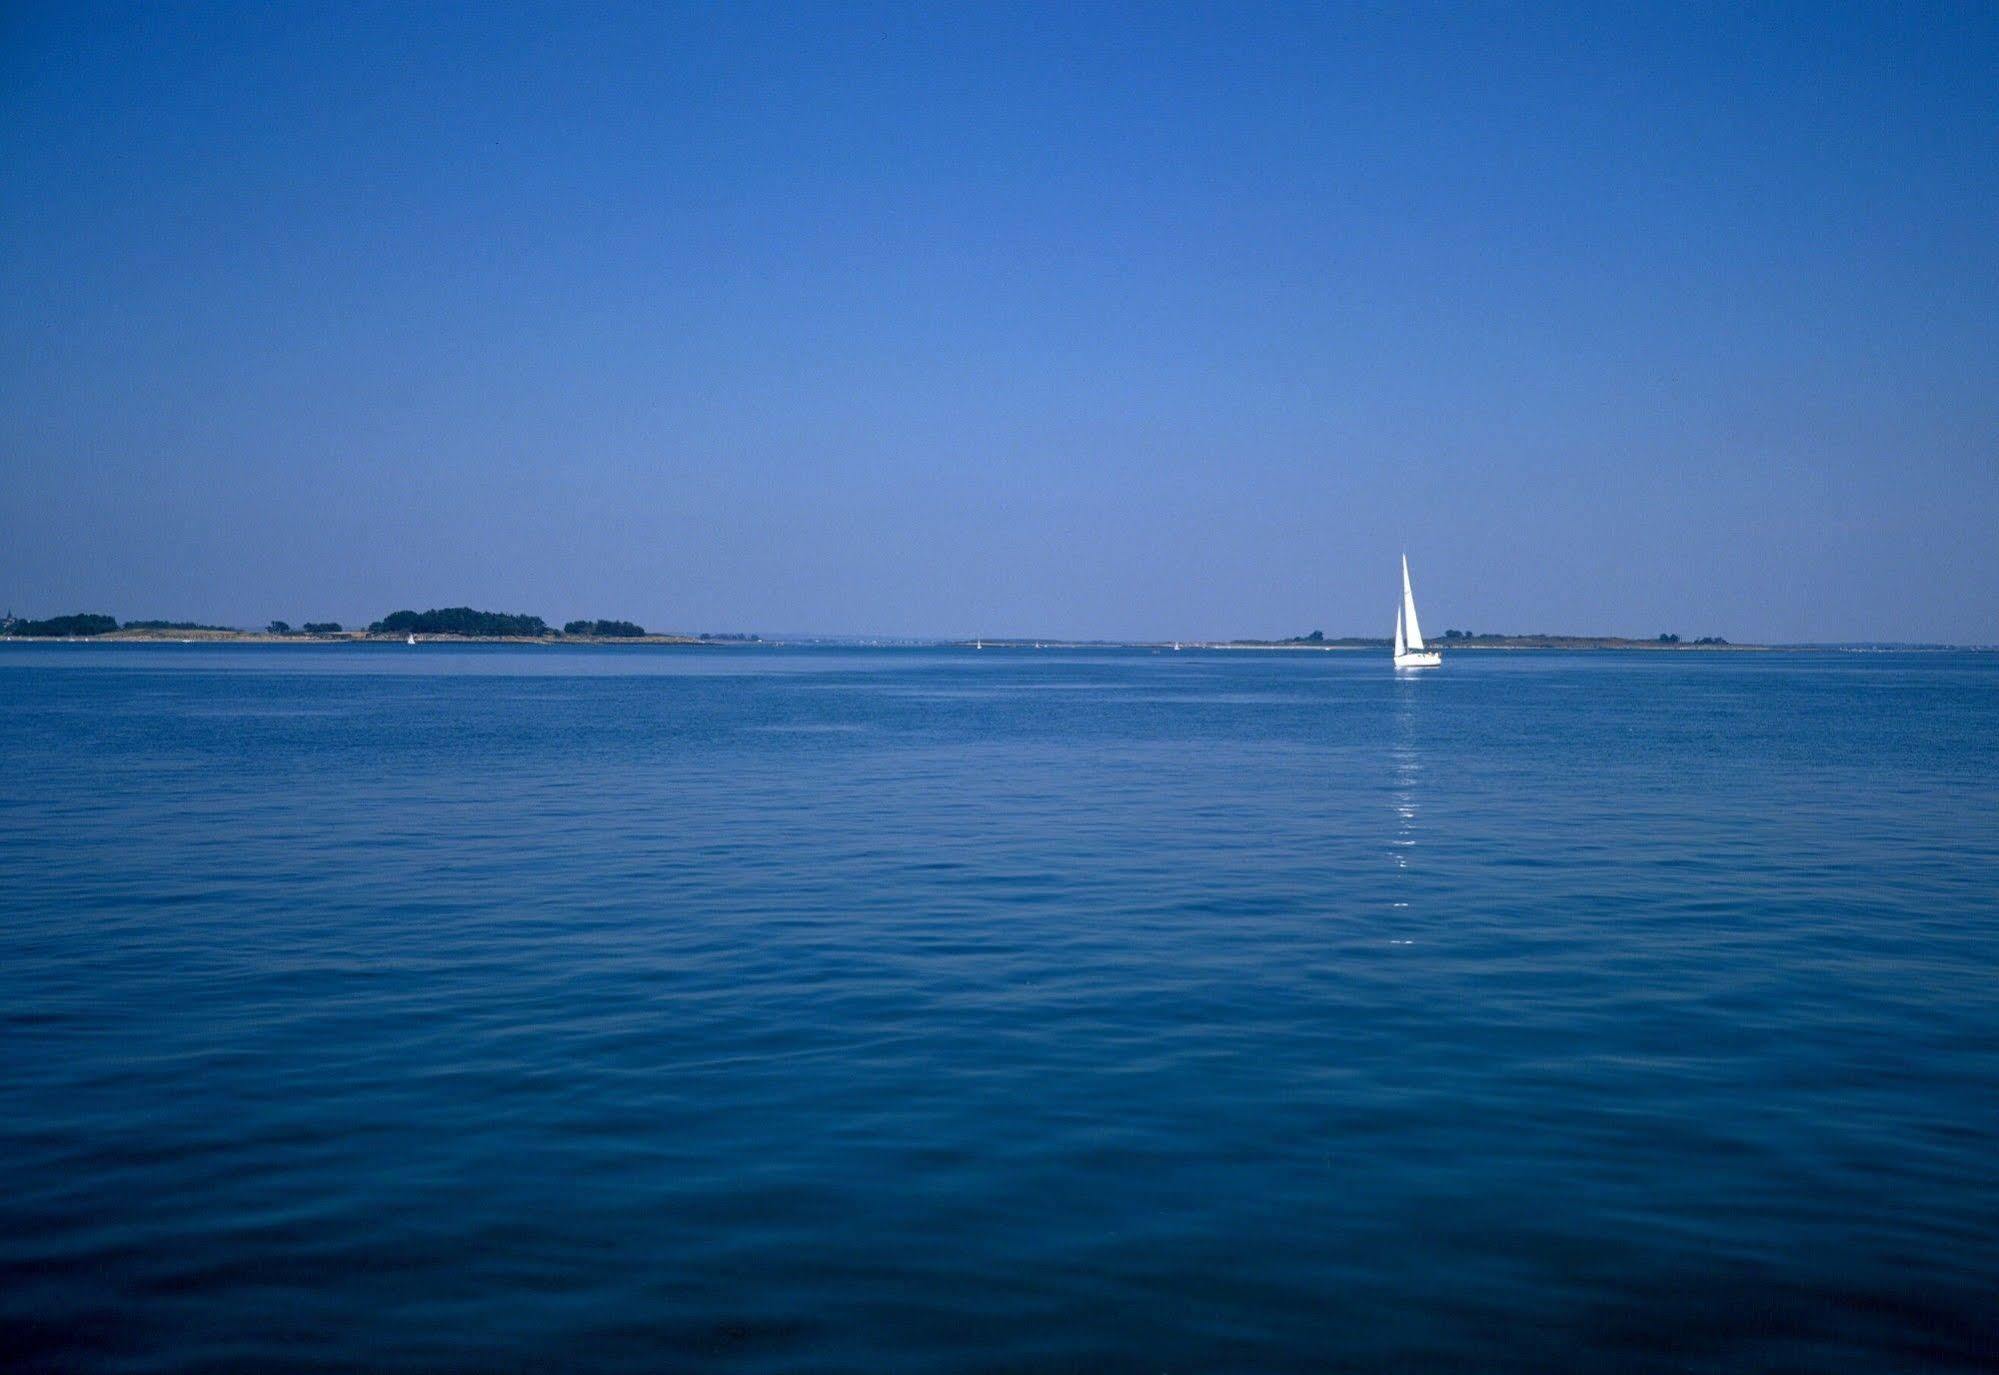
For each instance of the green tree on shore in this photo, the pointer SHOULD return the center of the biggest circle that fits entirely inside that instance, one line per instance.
(83, 623)
(460, 620)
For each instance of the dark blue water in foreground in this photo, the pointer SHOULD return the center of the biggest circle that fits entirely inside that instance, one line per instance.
(766, 1010)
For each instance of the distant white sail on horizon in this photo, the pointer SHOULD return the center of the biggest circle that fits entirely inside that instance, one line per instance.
(1410, 652)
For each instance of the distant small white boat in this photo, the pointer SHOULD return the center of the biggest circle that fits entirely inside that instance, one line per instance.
(1409, 648)
(412, 639)
(1176, 646)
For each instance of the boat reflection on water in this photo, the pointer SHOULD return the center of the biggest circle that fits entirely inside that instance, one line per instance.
(1405, 775)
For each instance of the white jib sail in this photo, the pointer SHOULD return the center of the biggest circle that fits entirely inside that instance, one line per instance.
(1410, 626)
(1401, 647)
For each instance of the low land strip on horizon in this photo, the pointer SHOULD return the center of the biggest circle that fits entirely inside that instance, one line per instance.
(452, 627)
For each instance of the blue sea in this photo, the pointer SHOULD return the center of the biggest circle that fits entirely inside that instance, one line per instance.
(757, 1009)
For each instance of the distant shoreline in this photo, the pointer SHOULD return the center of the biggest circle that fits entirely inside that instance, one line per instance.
(364, 637)
(460, 624)
(1500, 642)
(1480, 644)
(266, 637)
(1359, 645)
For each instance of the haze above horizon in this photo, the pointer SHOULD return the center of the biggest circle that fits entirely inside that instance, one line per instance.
(1115, 322)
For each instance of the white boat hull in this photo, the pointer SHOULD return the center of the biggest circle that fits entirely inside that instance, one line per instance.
(1419, 660)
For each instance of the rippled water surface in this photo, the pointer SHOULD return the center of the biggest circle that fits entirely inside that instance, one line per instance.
(773, 1010)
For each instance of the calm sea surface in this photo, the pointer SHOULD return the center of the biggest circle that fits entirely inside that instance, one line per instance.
(921, 1010)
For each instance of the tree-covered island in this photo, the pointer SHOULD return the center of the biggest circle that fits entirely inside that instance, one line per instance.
(451, 622)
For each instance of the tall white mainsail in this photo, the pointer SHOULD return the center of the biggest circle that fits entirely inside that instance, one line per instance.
(1408, 617)
(1401, 645)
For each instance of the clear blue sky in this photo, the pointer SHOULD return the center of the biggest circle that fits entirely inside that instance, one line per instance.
(1060, 320)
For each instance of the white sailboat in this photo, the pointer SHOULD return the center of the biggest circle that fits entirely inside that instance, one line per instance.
(1409, 648)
